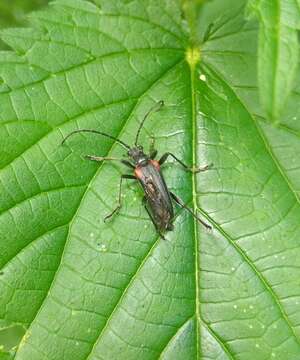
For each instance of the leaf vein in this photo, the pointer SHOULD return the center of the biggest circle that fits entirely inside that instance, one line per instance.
(74, 216)
(223, 345)
(124, 292)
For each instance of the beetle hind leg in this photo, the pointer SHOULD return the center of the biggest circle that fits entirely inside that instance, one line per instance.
(184, 206)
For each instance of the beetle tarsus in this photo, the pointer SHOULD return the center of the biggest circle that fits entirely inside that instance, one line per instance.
(110, 215)
(193, 169)
(196, 170)
(93, 158)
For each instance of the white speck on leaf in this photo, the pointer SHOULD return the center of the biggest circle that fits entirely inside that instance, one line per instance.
(103, 248)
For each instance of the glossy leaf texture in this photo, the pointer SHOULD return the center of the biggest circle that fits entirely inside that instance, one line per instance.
(84, 289)
(277, 52)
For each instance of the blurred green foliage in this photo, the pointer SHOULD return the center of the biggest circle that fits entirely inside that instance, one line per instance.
(13, 12)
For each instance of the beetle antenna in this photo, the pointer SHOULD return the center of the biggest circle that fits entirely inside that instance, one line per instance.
(155, 108)
(99, 133)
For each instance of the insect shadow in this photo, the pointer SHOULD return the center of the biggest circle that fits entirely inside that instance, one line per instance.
(157, 197)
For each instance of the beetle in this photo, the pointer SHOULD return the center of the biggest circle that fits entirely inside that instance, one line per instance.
(147, 170)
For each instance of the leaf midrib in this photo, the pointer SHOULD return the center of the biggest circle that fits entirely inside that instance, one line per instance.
(195, 222)
(276, 60)
(125, 290)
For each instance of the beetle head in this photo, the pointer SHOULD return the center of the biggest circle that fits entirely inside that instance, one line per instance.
(137, 155)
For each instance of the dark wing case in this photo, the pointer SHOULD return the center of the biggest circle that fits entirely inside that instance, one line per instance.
(158, 200)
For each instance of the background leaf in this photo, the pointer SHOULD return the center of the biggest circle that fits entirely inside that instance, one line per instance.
(88, 290)
(278, 52)
(12, 12)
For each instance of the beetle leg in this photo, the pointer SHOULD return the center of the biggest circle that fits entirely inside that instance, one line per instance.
(101, 158)
(192, 169)
(153, 151)
(117, 208)
(184, 206)
(152, 219)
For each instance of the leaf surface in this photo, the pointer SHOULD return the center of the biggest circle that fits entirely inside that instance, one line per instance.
(84, 289)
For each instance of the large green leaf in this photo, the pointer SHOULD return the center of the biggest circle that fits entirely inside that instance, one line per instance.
(278, 52)
(83, 289)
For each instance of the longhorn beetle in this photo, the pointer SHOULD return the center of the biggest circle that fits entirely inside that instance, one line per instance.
(157, 197)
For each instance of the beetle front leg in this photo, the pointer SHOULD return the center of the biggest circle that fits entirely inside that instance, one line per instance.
(118, 207)
(184, 206)
(191, 169)
(102, 158)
